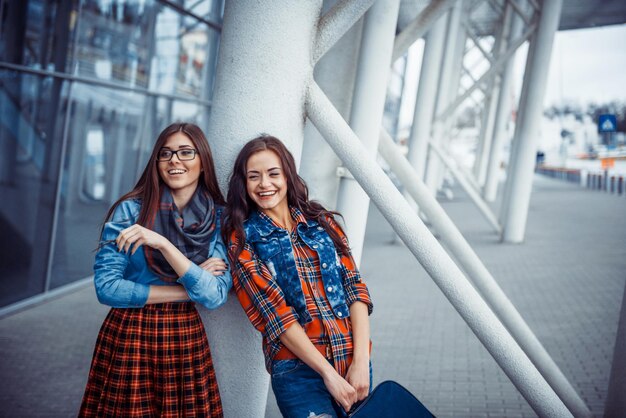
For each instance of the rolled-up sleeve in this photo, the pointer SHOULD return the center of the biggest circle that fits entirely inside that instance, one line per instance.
(112, 288)
(260, 296)
(353, 285)
(203, 287)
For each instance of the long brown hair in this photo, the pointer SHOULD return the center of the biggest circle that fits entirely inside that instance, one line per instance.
(240, 205)
(148, 188)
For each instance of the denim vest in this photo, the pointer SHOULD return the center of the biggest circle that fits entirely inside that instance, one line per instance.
(273, 246)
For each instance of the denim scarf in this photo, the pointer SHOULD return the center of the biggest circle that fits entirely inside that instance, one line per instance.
(191, 231)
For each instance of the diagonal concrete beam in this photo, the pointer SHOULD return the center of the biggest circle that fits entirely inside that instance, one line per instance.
(419, 26)
(467, 187)
(425, 247)
(336, 22)
(477, 272)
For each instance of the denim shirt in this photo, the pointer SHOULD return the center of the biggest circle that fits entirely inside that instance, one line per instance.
(273, 246)
(123, 280)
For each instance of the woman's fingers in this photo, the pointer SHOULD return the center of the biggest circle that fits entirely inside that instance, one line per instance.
(358, 377)
(348, 399)
(215, 266)
(137, 243)
(133, 236)
(124, 237)
(341, 391)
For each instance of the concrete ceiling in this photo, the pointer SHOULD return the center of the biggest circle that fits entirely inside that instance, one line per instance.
(485, 14)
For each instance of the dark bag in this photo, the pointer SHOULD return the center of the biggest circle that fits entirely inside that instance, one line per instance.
(390, 399)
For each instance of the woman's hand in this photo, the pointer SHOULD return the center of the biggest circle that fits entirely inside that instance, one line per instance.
(137, 235)
(340, 390)
(359, 377)
(215, 266)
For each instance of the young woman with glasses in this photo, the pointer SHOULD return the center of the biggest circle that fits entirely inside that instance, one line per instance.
(298, 284)
(160, 251)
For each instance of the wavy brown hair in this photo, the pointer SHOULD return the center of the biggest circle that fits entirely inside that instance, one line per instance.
(149, 186)
(240, 205)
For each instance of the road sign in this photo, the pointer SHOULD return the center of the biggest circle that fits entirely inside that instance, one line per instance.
(607, 163)
(607, 123)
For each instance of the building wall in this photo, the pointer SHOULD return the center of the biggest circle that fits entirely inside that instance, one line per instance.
(85, 88)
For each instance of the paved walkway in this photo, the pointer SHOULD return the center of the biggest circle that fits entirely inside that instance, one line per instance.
(567, 281)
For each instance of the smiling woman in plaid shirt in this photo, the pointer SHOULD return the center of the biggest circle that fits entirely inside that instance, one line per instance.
(160, 251)
(298, 284)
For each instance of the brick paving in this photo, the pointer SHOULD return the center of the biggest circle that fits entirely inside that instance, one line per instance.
(567, 281)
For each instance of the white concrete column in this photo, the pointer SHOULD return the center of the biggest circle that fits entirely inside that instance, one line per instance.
(514, 148)
(264, 67)
(486, 131)
(527, 128)
(434, 168)
(503, 117)
(367, 110)
(426, 96)
(455, 77)
(335, 72)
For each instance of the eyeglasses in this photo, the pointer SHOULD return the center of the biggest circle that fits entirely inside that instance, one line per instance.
(185, 154)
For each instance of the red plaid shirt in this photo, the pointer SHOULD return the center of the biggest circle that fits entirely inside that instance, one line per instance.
(265, 305)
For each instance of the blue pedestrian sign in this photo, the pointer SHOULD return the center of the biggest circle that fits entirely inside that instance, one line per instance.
(607, 123)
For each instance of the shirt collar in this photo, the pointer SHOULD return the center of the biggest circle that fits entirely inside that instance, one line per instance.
(265, 225)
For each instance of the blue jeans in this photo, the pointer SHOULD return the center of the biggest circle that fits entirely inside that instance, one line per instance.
(300, 391)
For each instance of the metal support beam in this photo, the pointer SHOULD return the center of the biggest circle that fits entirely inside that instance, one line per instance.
(491, 102)
(467, 187)
(535, 5)
(477, 272)
(419, 26)
(472, 35)
(433, 257)
(522, 13)
(368, 105)
(336, 22)
(497, 65)
(496, 6)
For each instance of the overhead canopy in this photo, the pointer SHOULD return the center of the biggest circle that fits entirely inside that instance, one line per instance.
(485, 15)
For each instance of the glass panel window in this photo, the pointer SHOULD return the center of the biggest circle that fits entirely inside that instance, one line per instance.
(72, 147)
(115, 40)
(185, 53)
(101, 164)
(32, 112)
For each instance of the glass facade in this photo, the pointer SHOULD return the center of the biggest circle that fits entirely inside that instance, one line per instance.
(85, 88)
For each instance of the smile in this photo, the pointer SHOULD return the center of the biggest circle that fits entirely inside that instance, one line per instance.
(265, 194)
(176, 171)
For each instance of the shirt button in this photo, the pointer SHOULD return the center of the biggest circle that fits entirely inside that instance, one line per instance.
(339, 314)
(315, 245)
(329, 288)
(324, 265)
(319, 228)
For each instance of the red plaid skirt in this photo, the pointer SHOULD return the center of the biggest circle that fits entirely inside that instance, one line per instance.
(152, 362)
